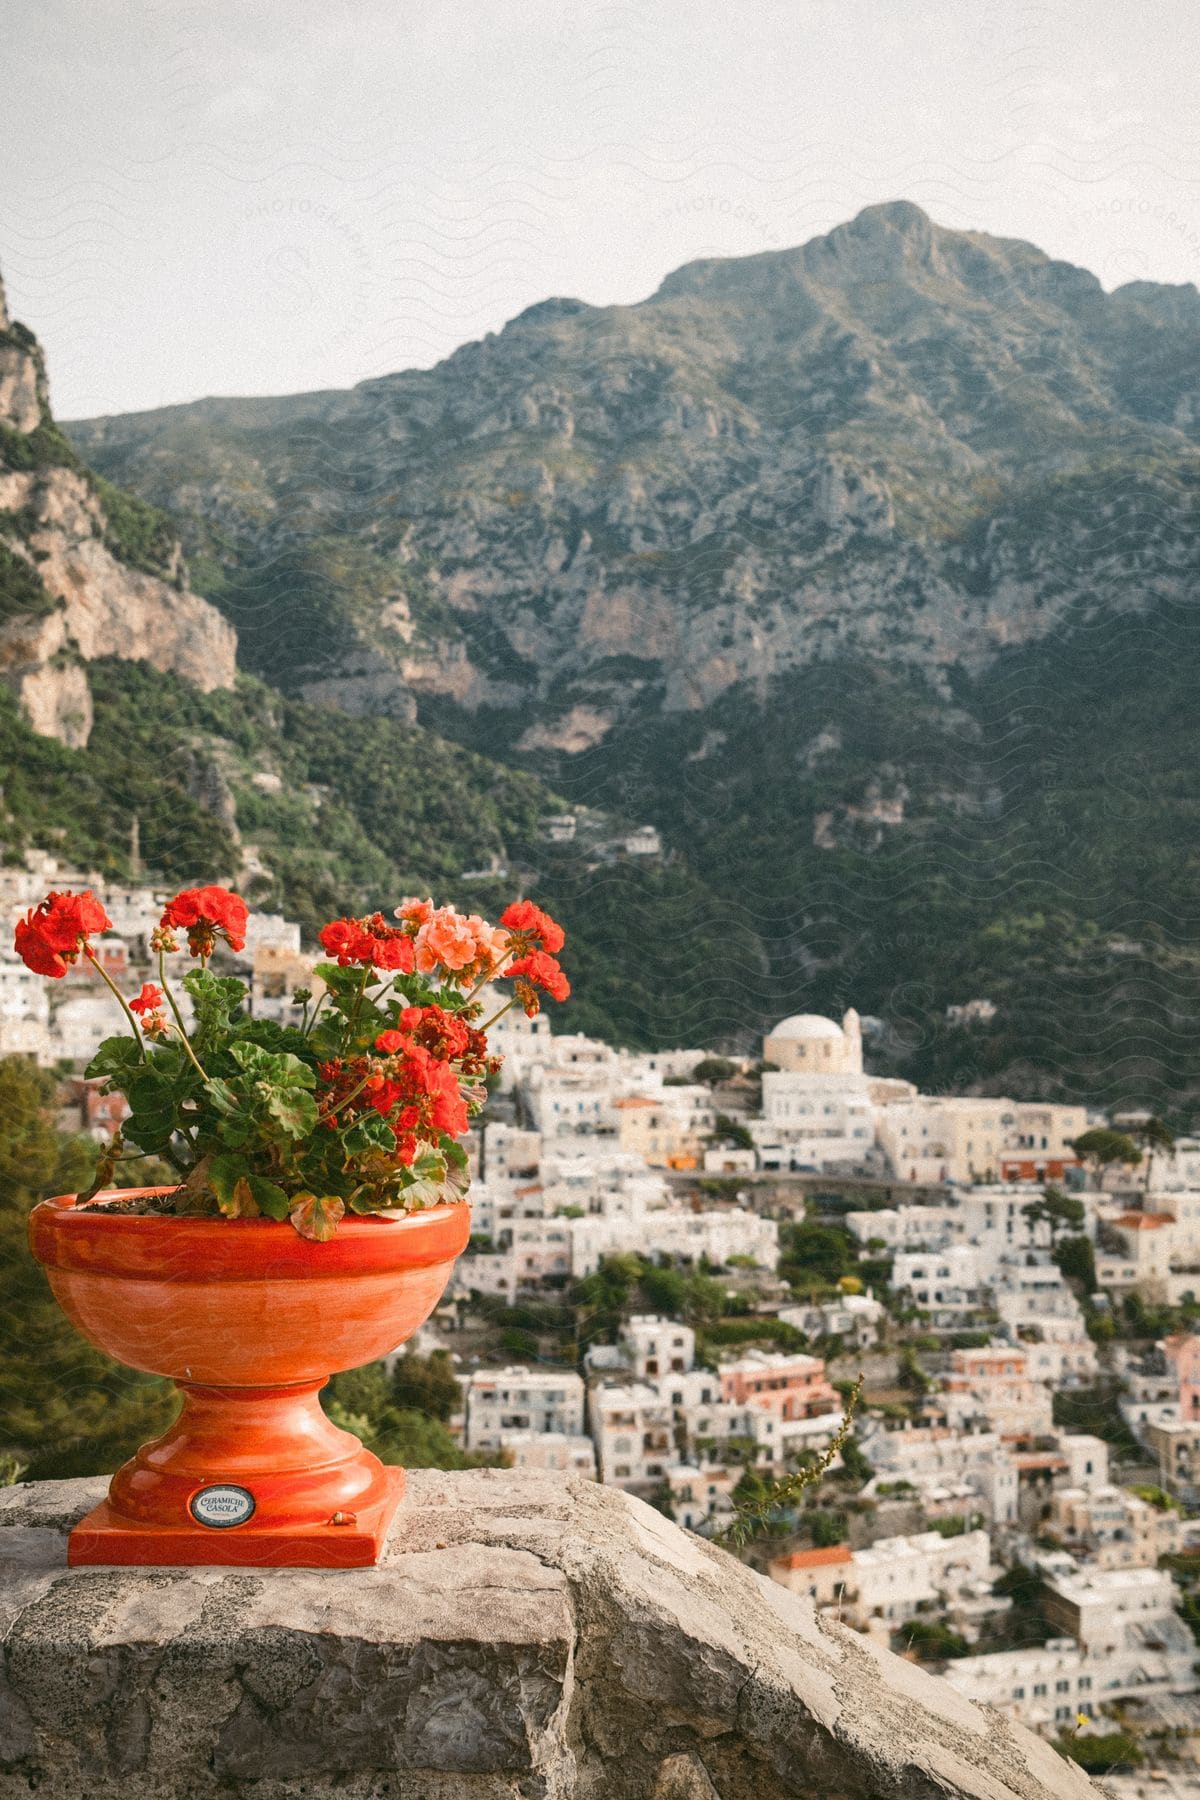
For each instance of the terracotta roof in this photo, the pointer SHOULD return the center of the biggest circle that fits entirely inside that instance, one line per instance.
(1144, 1221)
(634, 1100)
(815, 1559)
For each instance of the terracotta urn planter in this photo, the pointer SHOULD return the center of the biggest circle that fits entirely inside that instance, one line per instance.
(249, 1319)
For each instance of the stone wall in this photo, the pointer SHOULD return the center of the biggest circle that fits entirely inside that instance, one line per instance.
(525, 1636)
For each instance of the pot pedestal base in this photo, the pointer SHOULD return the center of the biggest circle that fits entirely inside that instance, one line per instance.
(104, 1536)
(248, 1478)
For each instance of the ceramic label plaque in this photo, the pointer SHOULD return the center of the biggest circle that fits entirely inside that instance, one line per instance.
(222, 1505)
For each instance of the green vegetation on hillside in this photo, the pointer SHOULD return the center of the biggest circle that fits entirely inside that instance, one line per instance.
(350, 814)
(65, 1409)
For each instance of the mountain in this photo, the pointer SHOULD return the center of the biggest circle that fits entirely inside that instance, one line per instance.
(865, 570)
(85, 570)
(131, 742)
(897, 440)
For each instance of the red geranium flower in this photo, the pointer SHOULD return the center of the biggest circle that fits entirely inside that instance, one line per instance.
(370, 941)
(149, 1000)
(51, 935)
(527, 921)
(537, 970)
(206, 914)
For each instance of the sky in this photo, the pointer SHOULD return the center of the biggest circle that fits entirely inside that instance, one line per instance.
(270, 196)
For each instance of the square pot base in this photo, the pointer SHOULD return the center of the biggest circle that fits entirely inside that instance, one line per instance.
(107, 1537)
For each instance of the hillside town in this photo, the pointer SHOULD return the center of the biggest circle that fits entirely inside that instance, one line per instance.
(973, 1319)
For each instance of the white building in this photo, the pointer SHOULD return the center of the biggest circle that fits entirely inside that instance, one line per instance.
(522, 1400)
(856, 1318)
(908, 1227)
(679, 1234)
(632, 1430)
(946, 1283)
(24, 1010)
(1046, 1686)
(1126, 1642)
(655, 1346)
(896, 1579)
(936, 1461)
(552, 1451)
(818, 1110)
(991, 1385)
(701, 1496)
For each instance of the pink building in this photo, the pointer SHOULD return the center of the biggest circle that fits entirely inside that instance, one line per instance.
(795, 1387)
(1183, 1353)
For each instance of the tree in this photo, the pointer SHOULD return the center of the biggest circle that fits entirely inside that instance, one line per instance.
(426, 1384)
(808, 1250)
(65, 1408)
(364, 1392)
(415, 1441)
(728, 1130)
(910, 1374)
(826, 1527)
(1077, 1260)
(855, 1466)
(1101, 1147)
(930, 1640)
(666, 1290)
(712, 1070)
(1153, 1136)
(1102, 1753)
(1056, 1209)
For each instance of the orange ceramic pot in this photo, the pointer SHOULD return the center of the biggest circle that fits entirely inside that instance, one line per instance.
(250, 1320)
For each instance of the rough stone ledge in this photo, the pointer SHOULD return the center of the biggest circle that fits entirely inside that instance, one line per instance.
(526, 1636)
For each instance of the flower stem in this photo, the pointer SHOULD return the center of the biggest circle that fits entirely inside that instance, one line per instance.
(321, 999)
(494, 975)
(344, 1100)
(179, 1024)
(499, 1015)
(162, 977)
(367, 975)
(118, 996)
(191, 1054)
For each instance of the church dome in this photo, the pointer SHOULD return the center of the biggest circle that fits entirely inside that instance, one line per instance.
(807, 1026)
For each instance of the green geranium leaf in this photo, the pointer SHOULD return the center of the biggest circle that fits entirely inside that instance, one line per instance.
(151, 1122)
(293, 1110)
(225, 1171)
(216, 998)
(116, 1057)
(369, 1132)
(236, 1131)
(222, 1098)
(452, 1150)
(279, 1068)
(340, 981)
(426, 1180)
(269, 1197)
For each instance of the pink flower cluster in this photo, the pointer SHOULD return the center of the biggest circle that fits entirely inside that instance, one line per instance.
(462, 943)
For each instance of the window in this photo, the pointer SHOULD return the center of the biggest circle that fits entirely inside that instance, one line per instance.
(1018, 1693)
(1039, 1690)
(1062, 1687)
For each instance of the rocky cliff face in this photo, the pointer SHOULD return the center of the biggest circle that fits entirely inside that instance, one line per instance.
(524, 1638)
(866, 571)
(69, 588)
(896, 441)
